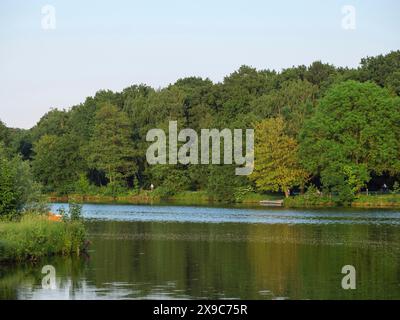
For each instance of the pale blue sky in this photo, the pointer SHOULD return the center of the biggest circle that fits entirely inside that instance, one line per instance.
(114, 44)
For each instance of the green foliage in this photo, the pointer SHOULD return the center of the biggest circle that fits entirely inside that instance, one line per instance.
(356, 176)
(312, 194)
(4, 134)
(168, 180)
(83, 185)
(114, 188)
(293, 100)
(376, 201)
(74, 212)
(20, 142)
(396, 187)
(383, 70)
(18, 191)
(354, 132)
(57, 162)
(35, 236)
(277, 167)
(319, 73)
(112, 141)
(311, 198)
(338, 129)
(304, 201)
(223, 185)
(240, 193)
(52, 123)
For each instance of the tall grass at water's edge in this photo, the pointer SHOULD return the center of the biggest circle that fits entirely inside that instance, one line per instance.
(34, 236)
(360, 201)
(148, 197)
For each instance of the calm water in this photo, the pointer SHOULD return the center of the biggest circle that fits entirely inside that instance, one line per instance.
(171, 252)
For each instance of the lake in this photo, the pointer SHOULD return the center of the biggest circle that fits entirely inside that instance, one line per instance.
(181, 252)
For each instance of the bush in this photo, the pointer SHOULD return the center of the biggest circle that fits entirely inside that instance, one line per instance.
(241, 192)
(82, 186)
(164, 192)
(74, 212)
(18, 191)
(396, 187)
(114, 189)
(311, 198)
(345, 195)
(312, 195)
(224, 185)
(169, 180)
(35, 236)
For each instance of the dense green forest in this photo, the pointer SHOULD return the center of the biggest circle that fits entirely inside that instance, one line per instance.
(318, 126)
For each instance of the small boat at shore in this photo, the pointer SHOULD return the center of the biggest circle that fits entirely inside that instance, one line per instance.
(272, 203)
(54, 217)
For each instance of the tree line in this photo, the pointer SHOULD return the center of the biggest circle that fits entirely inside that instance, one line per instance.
(319, 126)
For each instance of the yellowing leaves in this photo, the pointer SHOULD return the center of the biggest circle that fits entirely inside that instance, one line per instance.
(276, 162)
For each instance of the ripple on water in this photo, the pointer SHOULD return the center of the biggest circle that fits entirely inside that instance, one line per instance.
(260, 215)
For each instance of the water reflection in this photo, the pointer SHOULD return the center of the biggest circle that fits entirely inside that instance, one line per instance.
(172, 260)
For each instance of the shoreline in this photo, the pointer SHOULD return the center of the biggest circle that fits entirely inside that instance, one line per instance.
(388, 201)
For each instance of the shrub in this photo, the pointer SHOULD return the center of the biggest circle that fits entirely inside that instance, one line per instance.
(82, 186)
(312, 195)
(396, 187)
(164, 192)
(74, 212)
(18, 191)
(223, 184)
(34, 236)
(241, 192)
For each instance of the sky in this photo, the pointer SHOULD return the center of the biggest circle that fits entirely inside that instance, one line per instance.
(54, 54)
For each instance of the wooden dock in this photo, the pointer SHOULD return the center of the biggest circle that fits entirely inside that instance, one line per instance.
(272, 203)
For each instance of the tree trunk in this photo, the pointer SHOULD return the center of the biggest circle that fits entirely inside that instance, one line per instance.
(287, 192)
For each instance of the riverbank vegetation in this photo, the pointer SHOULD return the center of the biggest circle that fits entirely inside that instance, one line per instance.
(330, 130)
(26, 232)
(35, 236)
(148, 197)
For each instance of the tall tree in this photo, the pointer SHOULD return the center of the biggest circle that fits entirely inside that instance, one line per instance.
(18, 191)
(58, 162)
(111, 147)
(294, 101)
(383, 70)
(354, 130)
(4, 134)
(53, 122)
(277, 166)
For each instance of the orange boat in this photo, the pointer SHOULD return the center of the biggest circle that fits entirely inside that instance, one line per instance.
(54, 217)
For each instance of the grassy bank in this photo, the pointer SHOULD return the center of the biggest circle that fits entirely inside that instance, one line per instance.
(378, 201)
(147, 197)
(302, 201)
(251, 198)
(361, 201)
(35, 236)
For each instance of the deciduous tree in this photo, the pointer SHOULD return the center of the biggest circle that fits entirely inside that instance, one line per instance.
(277, 166)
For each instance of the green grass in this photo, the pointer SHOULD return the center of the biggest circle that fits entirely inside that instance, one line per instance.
(191, 197)
(34, 236)
(361, 201)
(381, 200)
(304, 201)
(253, 197)
(148, 197)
